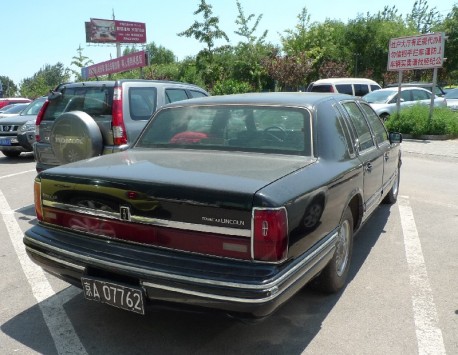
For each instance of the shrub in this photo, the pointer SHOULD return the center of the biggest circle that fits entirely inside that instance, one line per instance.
(415, 121)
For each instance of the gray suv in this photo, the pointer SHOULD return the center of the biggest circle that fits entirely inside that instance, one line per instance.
(87, 119)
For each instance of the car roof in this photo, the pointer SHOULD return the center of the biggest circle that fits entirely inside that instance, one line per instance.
(344, 80)
(298, 99)
(112, 83)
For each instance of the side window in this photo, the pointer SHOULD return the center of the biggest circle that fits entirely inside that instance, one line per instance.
(195, 93)
(344, 89)
(322, 88)
(142, 102)
(405, 95)
(361, 89)
(361, 126)
(377, 126)
(374, 87)
(420, 95)
(173, 95)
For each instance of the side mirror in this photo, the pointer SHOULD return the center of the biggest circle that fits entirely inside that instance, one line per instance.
(395, 137)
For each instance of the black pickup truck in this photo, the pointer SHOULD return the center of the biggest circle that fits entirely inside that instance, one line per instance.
(231, 203)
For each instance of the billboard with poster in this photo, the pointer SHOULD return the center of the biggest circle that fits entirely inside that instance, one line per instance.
(115, 31)
(121, 64)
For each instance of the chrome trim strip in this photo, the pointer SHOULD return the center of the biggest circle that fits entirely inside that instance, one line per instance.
(57, 260)
(324, 249)
(246, 233)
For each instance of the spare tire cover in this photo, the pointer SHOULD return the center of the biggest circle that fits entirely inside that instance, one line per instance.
(75, 136)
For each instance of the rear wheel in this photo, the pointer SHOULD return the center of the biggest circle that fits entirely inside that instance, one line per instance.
(334, 275)
(384, 116)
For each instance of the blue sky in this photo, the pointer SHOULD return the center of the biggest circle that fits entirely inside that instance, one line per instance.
(35, 33)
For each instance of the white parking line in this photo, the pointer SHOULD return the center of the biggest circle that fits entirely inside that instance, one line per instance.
(51, 304)
(22, 172)
(429, 334)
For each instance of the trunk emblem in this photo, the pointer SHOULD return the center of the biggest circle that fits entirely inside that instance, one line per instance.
(125, 213)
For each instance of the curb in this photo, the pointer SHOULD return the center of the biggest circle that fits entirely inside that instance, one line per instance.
(430, 137)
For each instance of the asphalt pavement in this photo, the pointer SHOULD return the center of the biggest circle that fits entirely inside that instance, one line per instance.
(433, 148)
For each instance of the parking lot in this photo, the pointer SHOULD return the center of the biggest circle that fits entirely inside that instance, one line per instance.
(401, 297)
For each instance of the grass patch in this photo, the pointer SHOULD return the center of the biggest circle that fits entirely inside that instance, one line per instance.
(415, 121)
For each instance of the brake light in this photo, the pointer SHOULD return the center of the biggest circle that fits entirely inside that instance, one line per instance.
(119, 130)
(37, 198)
(270, 234)
(40, 116)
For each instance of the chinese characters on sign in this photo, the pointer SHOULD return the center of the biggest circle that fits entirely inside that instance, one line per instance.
(416, 52)
(124, 63)
(111, 31)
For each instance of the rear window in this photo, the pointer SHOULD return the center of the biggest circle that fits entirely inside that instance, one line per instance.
(95, 101)
(322, 88)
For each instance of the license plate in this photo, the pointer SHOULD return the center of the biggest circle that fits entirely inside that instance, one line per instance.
(5, 141)
(121, 296)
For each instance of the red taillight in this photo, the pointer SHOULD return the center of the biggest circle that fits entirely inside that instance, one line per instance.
(270, 234)
(37, 198)
(119, 130)
(40, 115)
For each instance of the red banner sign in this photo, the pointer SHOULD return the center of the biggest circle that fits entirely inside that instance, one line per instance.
(114, 31)
(124, 63)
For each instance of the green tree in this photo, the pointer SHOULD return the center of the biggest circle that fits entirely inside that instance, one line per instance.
(44, 80)
(450, 27)
(207, 31)
(159, 54)
(423, 18)
(9, 88)
(80, 61)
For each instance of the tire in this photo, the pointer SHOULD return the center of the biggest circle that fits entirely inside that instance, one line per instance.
(75, 136)
(334, 275)
(384, 116)
(392, 195)
(11, 154)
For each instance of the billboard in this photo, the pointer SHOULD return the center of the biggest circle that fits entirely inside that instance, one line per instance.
(416, 52)
(124, 63)
(114, 31)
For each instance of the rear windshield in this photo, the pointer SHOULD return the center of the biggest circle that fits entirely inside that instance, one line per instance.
(243, 128)
(95, 101)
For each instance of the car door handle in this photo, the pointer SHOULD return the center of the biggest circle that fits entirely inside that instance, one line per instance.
(386, 156)
(368, 167)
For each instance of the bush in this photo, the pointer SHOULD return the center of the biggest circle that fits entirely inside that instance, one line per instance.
(415, 121)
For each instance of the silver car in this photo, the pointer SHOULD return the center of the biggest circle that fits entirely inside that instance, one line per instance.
(383, 101)
(452, 99)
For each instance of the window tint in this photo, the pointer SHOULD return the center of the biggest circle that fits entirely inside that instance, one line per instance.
(195, 93)
(95, 101)
(374, 87)
(344, 89)
(361, 89)
(405, 95)
(322, 88)
(360, 124)
(420, 95)
(142, 102)
(242, 128)
(173, 95)
(377, 126)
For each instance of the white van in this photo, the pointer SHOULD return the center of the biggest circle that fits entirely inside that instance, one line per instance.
(351, 86)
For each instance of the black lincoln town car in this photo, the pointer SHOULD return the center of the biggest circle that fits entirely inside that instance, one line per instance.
(230, 203)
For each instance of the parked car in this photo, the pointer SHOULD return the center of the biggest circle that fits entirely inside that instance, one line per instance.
(384, 101)
(452, 99)
(13, 100)
(13, 110)
(13, 139)
(87, 119)
(7, 107)
(231, 203)
(438, 90)
(351, 86)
